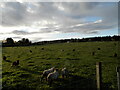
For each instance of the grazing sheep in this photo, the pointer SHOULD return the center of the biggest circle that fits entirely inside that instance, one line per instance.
(58, 58)
(73, 50)
(4, 57)
(46, 72)
(52, 76)
(93, 53)
(68, 41)
(115, 54)
(64, 72)
(62, 50)
(16, 63)
(98, 48)
(31, 51)
(42, 48)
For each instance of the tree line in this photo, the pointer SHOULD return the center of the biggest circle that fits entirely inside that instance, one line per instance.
(26, 42)
(9, 42)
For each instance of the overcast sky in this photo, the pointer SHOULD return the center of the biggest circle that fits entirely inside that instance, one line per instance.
(57, 20)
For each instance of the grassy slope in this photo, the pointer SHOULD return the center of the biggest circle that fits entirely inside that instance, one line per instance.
(80, 63)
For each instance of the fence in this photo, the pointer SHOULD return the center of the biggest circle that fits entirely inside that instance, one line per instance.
(118, 77)
(99, 76)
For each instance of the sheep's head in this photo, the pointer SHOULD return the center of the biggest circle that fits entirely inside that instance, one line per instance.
(17, 60)
(56, 70)
(53, 68)
(63, 69)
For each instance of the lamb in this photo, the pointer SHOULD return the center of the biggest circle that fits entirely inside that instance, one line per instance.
(52, 76)
(64, 72)
(46, 72)
(16, 63)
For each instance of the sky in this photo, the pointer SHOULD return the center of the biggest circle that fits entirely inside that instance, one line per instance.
(39, 21)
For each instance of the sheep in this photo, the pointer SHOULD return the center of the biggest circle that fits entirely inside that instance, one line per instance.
(46, 72)
(16, 63)
(31, 51)
(4, 57)
(52, 76)
(93, 53)
(64, 73)
(68, 41)
(42, 48)
(62, 50)
(73, 50)
(115, 54)
(98, 48)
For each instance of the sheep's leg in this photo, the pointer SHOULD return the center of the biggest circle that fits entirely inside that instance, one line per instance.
(66, 76)
(50, 82)
(42, 78)
(62, 76)
(12, 65)
(46, 78)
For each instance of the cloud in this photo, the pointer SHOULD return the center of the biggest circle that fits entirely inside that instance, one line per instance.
(16, 37)
(61, 17)
(20, 32)
(17, 32)
(36, 39)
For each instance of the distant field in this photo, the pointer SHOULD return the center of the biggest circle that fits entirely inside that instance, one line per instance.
(77, 57)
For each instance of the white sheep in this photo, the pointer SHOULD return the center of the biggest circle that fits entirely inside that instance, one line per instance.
(46, 72)
(52, 76)
(64, 72)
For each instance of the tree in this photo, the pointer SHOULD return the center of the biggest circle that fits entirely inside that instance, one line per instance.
(24, 42)
(9, 42)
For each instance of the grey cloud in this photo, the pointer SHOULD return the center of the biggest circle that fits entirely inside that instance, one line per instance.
(45, 31)
(20, 32)
(16, 37)
(72, 13)
(36, 39)
(92, 32)
(1, 33)
(14, 13)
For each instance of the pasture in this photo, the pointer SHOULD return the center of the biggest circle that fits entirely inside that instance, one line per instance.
(77, 57)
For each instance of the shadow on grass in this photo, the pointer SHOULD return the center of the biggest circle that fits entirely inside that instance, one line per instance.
(17, 87)
(8, 61)
(74, 82)
(27, 70)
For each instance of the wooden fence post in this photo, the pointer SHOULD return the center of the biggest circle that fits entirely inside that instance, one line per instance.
(118, 77)
(99, 76)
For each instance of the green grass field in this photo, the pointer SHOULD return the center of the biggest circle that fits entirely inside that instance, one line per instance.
(80, 63)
